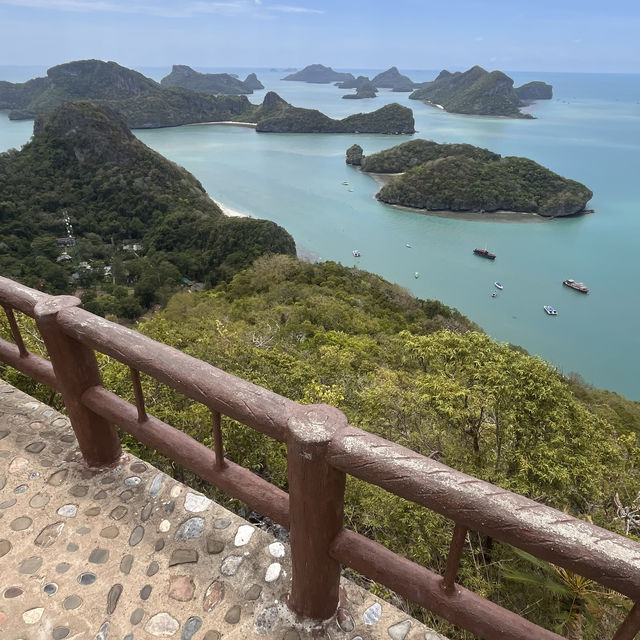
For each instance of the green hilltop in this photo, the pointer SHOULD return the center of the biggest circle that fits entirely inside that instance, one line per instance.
(479, 92)
(461, 177)
(217, 83)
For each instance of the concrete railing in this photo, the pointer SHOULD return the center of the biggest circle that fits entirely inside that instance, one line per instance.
(322, 448)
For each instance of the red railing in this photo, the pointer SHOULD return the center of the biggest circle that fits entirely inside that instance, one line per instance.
(321, 449)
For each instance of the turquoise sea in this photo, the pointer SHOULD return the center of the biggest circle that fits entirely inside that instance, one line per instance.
(590, 132)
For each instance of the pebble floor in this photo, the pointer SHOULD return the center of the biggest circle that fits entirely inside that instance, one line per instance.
(131, 554)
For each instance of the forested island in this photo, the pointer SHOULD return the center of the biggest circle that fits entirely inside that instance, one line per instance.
(143, 103)
(86, 205)
(461, 177)
(480, 92)
(318, 74)
(217, 83)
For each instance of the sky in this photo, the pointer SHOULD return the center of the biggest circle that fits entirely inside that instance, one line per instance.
(513, 35)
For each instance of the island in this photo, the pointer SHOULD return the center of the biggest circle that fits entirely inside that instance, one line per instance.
(318, 74)
(394, 80)
(364, 90)
(145, 104)
(462, 177)
(534, 91)
(216, 83)
(278, 116)
(478, 92)
(353, 83)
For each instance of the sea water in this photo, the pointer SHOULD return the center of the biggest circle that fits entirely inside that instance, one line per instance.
(589, 132)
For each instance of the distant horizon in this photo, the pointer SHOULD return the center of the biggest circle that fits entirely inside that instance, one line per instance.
(575, 36)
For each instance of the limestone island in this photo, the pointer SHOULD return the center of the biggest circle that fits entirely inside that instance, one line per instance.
(145, 104)
(217, 83)
(394, 80)
(364, 90)
(318, 74)
(480, 92)
(461, 177)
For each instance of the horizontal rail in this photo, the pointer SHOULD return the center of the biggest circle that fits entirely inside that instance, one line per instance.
(35, 367)
(604, 556)
(233, 479)
(15, 295)
(243, 401)
(460, 606)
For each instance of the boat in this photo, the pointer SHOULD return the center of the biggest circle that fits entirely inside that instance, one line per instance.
(356, 253)
(498, 285)
(578, 286)
(408, 245)
(485, 254)
(345, 183)
(416, 275)
(550, 310)
(494, 294)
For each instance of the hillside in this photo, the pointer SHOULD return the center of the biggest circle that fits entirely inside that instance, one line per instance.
(364, 90)
(278, 116)
(84, 171)
(216, 83)
(474, 92)
(416, 372)
(461, 177)
(534, 91)
(318, 74)
(393, 79)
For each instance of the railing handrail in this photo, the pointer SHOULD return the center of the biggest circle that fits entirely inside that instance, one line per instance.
(322, 448)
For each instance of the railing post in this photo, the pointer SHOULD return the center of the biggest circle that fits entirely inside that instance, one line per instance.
(76, 370)
(316, 510)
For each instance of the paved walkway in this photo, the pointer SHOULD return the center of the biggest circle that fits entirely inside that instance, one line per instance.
(132, 554)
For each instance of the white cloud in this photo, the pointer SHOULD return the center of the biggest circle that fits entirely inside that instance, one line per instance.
(285, 8)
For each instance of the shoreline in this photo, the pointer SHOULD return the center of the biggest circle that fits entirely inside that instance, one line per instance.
(232, 213)
(226, 123)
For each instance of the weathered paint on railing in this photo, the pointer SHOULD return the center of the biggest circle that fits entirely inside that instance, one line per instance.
(322, 449)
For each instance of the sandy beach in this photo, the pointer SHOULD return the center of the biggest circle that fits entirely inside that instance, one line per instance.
(232, 213)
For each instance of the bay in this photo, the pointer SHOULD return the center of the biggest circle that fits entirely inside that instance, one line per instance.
(590, 132)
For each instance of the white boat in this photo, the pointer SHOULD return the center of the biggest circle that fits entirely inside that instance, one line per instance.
(408, 245)
(356, 253)
(498, 285)
(494, 294)
(550, 310)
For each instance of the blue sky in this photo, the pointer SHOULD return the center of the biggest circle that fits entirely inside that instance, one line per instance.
(543, 35)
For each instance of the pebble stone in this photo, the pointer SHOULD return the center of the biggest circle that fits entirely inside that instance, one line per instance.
(5, 547)
(276, 549)
(93, 511)
(266, 620)
(125, 564)
(196, 503)
(164, 526)
(112, 598)
(156, 485)
(221, 523)
(50, 588)
(21, 524)
(233, 615)
(68, 510)
(146, 512)
(211, 635)
(18, 465)
(162, 625)
(214, 546)
(273, 572)
(60, 633)
(13, 592)
(99, 556)
(110, 532)
(153, 568)
(79, 490)
(191, 626)
(72, 546)
(103, 632)
(132, 481)
(344, 620)
(243, 535)
(183, 556)
(181, 588)
(213, 595)
(21, 488)
(49, 534)
(230, 565)
(136, 535)
(32, 616)
(30, 565)
(35, 447)
(86, 578)
(175, 491)
(39, 500)
(400, 630)
(145, 592)
(372, 614)
(190, 529)
(136, 616)
(159, 545)
(63, 567)
(119, 512)
(138, 467)
(72, 602)
(57, 478)
(253, 593)
(7, 503)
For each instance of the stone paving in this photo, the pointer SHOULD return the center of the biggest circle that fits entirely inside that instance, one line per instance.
(130, 553)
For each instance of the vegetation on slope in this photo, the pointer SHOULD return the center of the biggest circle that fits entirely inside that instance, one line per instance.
(475, 91)
(393, 79)
(364, 90)
(183, 76)
(318, 74)
(461, 177)
(85, 171)
(418, 373)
